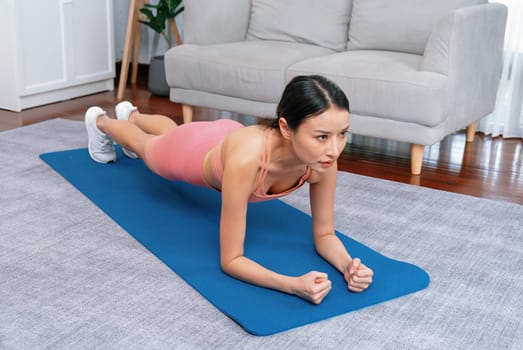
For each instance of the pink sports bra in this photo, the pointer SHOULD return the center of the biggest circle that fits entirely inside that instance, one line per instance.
(260, 193)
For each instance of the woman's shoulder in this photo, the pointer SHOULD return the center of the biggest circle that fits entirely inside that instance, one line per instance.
(314, 177)
(245, 144)
(252, 130)
(249, 135)
(327, 177)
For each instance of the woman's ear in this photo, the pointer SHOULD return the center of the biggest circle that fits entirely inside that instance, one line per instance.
(284, 128)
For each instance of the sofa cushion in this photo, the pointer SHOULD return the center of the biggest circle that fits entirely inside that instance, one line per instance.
(384, 84)
(252, 70)
(399, 25)
(304, 21)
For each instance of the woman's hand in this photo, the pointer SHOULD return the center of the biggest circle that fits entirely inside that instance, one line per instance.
(357, 276)
(312, 286)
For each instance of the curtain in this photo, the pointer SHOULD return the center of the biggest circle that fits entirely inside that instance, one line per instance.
(507, 117)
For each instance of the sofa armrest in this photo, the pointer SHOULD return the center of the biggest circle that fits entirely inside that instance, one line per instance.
(467, 46)
(213, 22)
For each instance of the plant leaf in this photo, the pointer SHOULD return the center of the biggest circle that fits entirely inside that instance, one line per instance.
(158, 14)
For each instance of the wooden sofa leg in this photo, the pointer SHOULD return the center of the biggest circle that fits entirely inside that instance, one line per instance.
(471, 131)
(187, 113)
(416, 158)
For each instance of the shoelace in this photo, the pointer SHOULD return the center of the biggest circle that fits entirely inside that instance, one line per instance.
(106, 144)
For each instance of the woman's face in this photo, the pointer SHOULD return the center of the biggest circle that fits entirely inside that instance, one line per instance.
(319, 140)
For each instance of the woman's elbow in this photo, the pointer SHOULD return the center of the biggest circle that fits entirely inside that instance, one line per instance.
(226, 265)
(230, 266)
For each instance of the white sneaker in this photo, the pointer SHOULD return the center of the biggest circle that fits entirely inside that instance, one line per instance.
(100, 145)
(123, 110)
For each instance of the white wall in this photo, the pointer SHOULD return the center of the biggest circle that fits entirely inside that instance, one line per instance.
(151, 43)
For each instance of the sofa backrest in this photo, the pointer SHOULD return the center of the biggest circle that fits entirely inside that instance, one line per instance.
(214, 22)
(319, 22)
(397, 25)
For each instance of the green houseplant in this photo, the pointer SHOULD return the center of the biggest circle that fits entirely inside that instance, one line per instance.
(159, 17)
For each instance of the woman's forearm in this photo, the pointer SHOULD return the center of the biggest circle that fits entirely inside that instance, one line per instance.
(312, 286)
(330, 248)
(249, 271)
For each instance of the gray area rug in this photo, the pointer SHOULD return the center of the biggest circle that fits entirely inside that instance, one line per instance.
(71, 278)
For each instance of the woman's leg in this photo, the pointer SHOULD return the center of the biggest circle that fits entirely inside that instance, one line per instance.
(150, 124)
(131, 130)
(154, 124)
(125, 133)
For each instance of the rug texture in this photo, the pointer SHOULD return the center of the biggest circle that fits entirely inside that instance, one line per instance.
(72, 278)
(179, 224)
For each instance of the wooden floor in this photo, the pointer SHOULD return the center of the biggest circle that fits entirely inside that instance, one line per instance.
(488, 167)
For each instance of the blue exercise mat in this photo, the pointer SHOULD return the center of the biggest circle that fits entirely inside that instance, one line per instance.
(179, 223)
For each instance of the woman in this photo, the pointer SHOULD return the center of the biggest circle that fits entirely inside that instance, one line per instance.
(248, 164)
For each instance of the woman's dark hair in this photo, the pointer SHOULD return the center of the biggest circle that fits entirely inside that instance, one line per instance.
(306, 96)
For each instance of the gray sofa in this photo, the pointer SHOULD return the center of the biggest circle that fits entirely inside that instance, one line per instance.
(414, 70)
